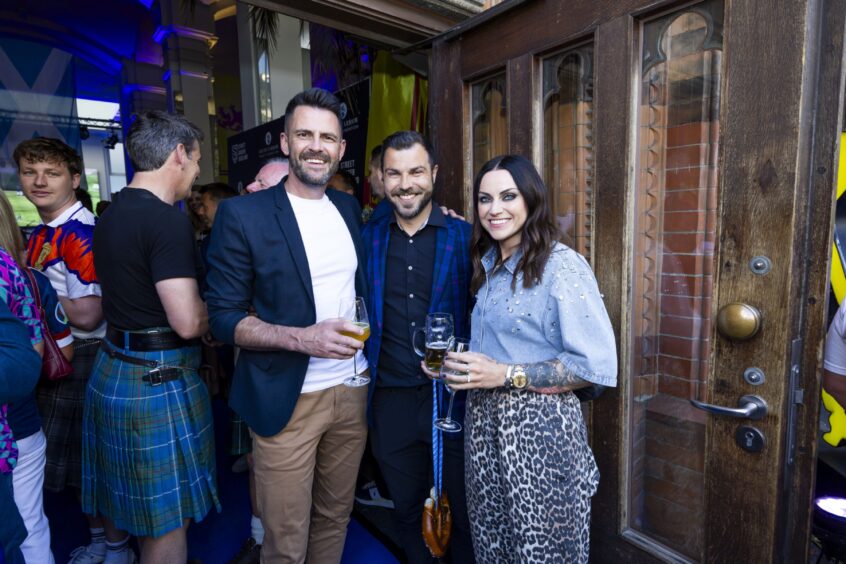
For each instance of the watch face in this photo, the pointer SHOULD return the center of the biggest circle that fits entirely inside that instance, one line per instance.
(520, 380)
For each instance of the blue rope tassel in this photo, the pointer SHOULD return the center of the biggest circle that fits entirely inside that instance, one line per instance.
(437, 447)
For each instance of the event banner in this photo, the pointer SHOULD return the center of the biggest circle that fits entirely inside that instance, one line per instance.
(251, 149)
(37, 99)
(355, 107)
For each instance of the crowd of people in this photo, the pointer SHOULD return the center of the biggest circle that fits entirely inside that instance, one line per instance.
(132, 302)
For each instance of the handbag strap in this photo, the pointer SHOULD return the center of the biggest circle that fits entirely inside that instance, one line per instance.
(36, 293)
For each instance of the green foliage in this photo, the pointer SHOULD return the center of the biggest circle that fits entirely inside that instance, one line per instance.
(264, 24)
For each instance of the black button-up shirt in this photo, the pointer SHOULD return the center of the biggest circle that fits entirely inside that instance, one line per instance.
(409, 269)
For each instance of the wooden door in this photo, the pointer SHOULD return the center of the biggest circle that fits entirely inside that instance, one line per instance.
(689, 150)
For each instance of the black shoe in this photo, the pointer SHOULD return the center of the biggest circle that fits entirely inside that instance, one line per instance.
(250, 553)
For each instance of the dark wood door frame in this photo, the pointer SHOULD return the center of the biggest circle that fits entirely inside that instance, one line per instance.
(766, 57)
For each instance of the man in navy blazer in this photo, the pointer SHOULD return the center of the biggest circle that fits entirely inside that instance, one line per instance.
(291, 253)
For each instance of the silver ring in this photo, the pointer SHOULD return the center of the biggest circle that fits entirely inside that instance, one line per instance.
(468, 378)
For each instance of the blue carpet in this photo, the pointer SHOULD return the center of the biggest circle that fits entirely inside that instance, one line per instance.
(219, 536)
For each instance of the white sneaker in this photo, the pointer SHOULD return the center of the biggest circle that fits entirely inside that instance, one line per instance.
(84, 555)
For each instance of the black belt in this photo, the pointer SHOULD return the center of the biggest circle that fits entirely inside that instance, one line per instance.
(156, 375)
(147, 342)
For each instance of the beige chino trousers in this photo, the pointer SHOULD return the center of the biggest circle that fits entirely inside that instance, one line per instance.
(305, 477)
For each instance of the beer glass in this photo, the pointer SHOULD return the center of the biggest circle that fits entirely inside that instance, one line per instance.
(353, 309)
(438, 332)
(448, 424)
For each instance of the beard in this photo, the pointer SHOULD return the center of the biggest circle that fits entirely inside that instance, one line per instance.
(297, 167)
(409, 213)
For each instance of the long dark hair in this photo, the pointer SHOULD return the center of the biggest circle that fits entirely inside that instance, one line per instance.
(540, 232)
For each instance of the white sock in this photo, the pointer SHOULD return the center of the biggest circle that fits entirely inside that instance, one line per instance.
(257, 530)
(98, 541)
(118, 552)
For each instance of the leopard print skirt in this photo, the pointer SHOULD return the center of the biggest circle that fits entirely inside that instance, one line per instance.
(529, 475)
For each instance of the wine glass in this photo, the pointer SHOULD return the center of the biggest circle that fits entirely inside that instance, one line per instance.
(353, 309)
(438, 332)
(448, 424)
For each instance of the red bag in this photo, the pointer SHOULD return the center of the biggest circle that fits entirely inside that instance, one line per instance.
(54, 365)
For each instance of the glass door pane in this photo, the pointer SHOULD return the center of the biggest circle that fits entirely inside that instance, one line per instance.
(673, 246)
(568, 143)
(490, 124)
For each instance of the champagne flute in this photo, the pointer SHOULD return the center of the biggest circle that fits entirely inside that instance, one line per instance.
(353, 309)
(448, 424)
(438, 332)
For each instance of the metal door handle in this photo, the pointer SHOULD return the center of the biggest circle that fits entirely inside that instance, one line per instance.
(751, 407)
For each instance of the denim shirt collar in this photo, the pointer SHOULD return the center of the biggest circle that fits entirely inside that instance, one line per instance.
(489, 260)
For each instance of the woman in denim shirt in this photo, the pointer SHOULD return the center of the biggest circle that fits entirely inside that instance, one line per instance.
(539, 331)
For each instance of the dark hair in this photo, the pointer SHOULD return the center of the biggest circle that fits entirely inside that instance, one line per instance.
(84, 198)
(539, 233)
(401, 140)
(314, 98)
(218, 191)
(47, 149)
(153, 136)
(376, 153)
(349, 179)
(101, 207)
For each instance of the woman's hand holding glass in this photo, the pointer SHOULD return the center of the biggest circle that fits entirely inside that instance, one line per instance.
(480, 371)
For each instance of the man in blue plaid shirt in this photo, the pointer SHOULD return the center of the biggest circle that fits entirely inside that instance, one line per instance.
(418, 263)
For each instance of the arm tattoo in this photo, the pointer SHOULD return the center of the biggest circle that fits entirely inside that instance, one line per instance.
(552, 377)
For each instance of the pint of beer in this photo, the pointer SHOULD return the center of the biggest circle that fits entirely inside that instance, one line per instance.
(439, 332)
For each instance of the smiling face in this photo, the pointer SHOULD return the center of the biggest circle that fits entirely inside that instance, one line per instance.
(409, 180)
(49, 186)
(314, 145)
(502, 210)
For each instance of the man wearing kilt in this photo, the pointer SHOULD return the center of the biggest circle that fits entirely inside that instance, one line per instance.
(61, 247)
(148, 448)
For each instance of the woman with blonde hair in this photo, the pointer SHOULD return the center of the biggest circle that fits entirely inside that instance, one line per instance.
(23, 416)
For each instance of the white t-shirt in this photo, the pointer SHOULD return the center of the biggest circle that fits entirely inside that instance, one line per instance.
(835, 343)
(332, 262)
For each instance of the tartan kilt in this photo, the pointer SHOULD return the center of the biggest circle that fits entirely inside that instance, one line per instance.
(241, 442)
(61, 404)
(148, 451)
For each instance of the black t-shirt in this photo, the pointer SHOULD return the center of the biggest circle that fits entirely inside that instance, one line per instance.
(141, 240)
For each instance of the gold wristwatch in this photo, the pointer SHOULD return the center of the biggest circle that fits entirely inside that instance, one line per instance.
(515, 377)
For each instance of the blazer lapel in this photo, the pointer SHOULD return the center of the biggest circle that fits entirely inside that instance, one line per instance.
(444, 245)
(291, 231)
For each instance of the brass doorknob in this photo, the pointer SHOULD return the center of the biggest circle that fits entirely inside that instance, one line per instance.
(738, 321)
